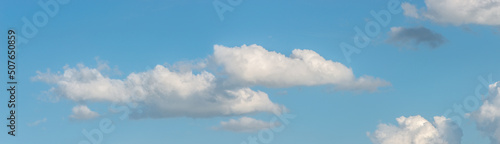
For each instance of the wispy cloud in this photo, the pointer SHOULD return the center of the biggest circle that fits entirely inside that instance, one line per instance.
(245, 124)
(35, 123)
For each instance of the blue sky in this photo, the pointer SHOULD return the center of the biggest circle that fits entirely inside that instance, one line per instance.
(133, 37)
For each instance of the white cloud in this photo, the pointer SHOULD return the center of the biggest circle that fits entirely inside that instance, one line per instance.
(160, 92)
(418, 130)
(410, 10)
(35, 123)
(245, 124)
(83, 83)
(82, 112)
(487, 117)
(178, 92)
(254, 65)
(458, 12)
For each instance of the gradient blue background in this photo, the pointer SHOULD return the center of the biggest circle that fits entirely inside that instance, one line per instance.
(137, 35)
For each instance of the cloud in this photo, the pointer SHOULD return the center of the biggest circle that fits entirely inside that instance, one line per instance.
(82, 112)
(410, 10)
(83, 83)
(413, 37)
(245, 124)
(177, 91)
(418, 130)
(160, 92)
(35, 123)
(254, 65)
(458, 12)
(487, 117)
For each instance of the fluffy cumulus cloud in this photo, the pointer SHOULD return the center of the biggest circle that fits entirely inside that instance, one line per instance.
(413, 37)
(82, 112)
(487, 117)
(245, 124)
(190, 90)
(457, 12)
(160, 92)
(254, 65)
(418, 130)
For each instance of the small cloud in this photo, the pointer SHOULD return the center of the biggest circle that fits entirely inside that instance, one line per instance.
(245, 125)
(363, 83)
(103, 66)
(82, 112)
(413, 37)
(410, 10)
(37, 122)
